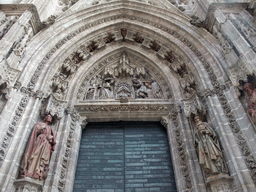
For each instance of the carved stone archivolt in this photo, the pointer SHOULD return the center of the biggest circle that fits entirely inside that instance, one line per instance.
(144, 80)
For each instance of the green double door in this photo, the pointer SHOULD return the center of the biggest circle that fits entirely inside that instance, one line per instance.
(124, 157)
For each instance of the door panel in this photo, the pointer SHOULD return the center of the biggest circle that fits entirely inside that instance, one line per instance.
(124, 157)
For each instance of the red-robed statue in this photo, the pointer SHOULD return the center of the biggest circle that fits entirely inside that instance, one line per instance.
(251, 107)
(35, 163)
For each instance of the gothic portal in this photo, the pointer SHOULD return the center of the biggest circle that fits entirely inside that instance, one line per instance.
(187, 64)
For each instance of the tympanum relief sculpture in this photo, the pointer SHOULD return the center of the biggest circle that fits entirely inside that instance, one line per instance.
(35, 163)
(123, 80)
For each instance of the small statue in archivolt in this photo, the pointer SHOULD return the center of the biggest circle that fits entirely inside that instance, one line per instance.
(35, 163)
(208, 149)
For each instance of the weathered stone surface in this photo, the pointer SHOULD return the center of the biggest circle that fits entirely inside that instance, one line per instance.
(73, 67)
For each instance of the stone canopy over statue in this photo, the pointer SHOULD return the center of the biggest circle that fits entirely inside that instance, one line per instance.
(123, 80)
(208, 149)
(35, 163)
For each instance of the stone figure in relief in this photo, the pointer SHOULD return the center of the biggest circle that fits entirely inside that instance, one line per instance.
(141, 91)
(107, 92)
(208, 149)
(251, 106)
(35, 163)
(122, 81)
(156, 90)
(95, 88)
(189, 91)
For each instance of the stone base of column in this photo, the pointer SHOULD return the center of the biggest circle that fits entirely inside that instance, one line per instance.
(220, 183)
(28, 185)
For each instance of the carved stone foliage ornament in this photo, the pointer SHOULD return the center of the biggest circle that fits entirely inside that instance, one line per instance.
(123, 80)
(208, 149)
(35, 163)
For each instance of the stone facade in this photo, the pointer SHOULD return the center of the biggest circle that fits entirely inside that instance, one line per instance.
(135, 60)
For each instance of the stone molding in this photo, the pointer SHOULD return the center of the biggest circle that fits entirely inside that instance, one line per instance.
(182, 151)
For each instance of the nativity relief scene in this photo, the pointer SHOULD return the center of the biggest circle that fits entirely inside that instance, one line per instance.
(123, 80)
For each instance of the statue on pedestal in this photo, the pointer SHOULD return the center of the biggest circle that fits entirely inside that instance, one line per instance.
(208, 149)
(35, 163)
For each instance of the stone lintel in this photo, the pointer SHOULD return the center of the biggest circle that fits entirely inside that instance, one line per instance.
(132, 110)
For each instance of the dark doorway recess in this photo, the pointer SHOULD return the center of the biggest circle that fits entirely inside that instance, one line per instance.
(124, 157)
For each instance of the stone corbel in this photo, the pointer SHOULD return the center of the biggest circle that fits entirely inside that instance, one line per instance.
(83, 122)
(53, 106)
(221, 182)
(28, 184)
(164, 121)
(193, 105)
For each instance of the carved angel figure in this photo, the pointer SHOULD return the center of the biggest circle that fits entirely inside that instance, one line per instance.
(251, 107)
(156, 90)
(35, 163)
(208, 149)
